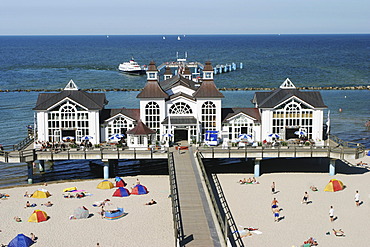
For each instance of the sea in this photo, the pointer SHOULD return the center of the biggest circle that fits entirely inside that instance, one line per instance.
(31, 64)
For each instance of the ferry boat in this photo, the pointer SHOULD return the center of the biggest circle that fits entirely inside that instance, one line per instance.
(132, 67)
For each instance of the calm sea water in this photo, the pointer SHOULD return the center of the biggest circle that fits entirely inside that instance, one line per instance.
(49, 62)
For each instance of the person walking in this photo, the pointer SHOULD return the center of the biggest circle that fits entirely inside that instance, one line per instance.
(305, 198)
(274, 204)
(331, 213)
(357, 198)
(276, 212)
(273, 188)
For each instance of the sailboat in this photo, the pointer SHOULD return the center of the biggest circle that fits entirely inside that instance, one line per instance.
(178, 38)
(163, 37)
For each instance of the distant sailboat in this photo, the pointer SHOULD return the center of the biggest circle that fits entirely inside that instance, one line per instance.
(107, 36)
(163, 37)
(178, 38)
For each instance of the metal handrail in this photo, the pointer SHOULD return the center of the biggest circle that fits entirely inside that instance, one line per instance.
(223, 222)
(176, 212)
(228, 215)
(24, 143)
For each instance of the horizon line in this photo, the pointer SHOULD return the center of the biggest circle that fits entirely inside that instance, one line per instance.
(194, 34)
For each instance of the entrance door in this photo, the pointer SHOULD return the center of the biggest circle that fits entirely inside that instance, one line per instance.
(181, 135)
(289, 133)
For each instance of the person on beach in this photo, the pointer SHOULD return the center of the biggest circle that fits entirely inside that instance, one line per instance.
(276, 212)
(313, 188)
(33, 237)
(305, 198)
(339, 233)
(274, 204)
(29, 205)
(357, 198)
(17, 219)
(273, 188)
(331, 214)
(152, 202)
(48, 204)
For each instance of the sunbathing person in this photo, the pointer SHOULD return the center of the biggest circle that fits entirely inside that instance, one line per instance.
(339, 233)
(243, 181)
(18, 219)
(313, 188)
(311, 241)
(48, 204)
(29, 205)
(152, 202)
(361, 163)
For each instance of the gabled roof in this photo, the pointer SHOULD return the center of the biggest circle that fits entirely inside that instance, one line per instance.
(92, 101)
(228, 113)
(274, 98)
(152, 90)
(181, 94)
(176, 81)
(109, 113)
(208, 90)
(140, 129)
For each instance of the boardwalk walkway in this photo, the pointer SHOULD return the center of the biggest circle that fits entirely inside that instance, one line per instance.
(197, 220)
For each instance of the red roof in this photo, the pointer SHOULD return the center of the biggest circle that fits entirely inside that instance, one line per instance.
(140, 129)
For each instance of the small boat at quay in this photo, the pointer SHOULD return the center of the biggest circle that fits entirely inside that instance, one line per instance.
(132, 67)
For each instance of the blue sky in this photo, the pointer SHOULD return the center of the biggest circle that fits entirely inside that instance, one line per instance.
(114, 17)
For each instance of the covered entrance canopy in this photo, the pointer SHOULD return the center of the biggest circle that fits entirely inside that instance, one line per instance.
(182, 126)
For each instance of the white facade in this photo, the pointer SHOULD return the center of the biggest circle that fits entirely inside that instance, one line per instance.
(180, 110)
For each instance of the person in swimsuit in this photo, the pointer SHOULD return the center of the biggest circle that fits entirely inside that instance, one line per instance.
(276, 214)
(274, 204)
(305, 198)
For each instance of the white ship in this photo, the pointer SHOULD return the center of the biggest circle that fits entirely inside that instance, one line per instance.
(132, 67)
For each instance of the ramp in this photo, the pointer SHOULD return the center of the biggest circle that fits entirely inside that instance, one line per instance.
(199, 227)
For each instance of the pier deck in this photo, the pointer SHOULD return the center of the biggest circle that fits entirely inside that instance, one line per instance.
(197, 221)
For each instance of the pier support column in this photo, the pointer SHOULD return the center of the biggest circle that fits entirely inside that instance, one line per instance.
(30, 172)
(257, 167)
(106, 169)
(41, 165)
(332, 167)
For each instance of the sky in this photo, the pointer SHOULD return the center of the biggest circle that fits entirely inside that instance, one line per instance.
(160, 17)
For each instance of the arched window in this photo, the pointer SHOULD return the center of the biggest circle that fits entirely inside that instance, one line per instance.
(152, 116)
(68, 119)
(118, 126)
(180, 108)
(292, 114)
(68, 116)
(208, 116)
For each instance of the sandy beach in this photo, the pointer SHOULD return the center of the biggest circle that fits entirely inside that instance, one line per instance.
(251, 207)
(143, 225)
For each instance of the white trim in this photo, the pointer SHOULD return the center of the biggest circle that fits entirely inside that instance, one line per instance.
(64, 100)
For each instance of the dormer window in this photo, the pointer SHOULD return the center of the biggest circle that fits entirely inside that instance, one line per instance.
(208, 75)
(152, 75)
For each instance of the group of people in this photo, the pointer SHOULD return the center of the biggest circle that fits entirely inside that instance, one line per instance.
(248, 181)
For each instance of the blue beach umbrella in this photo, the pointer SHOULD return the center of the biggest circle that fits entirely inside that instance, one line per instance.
(300, 133)
(167, 135)
(245, 136)
(274, 136)
(68, 138)
(119, 135)
(86, 138)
